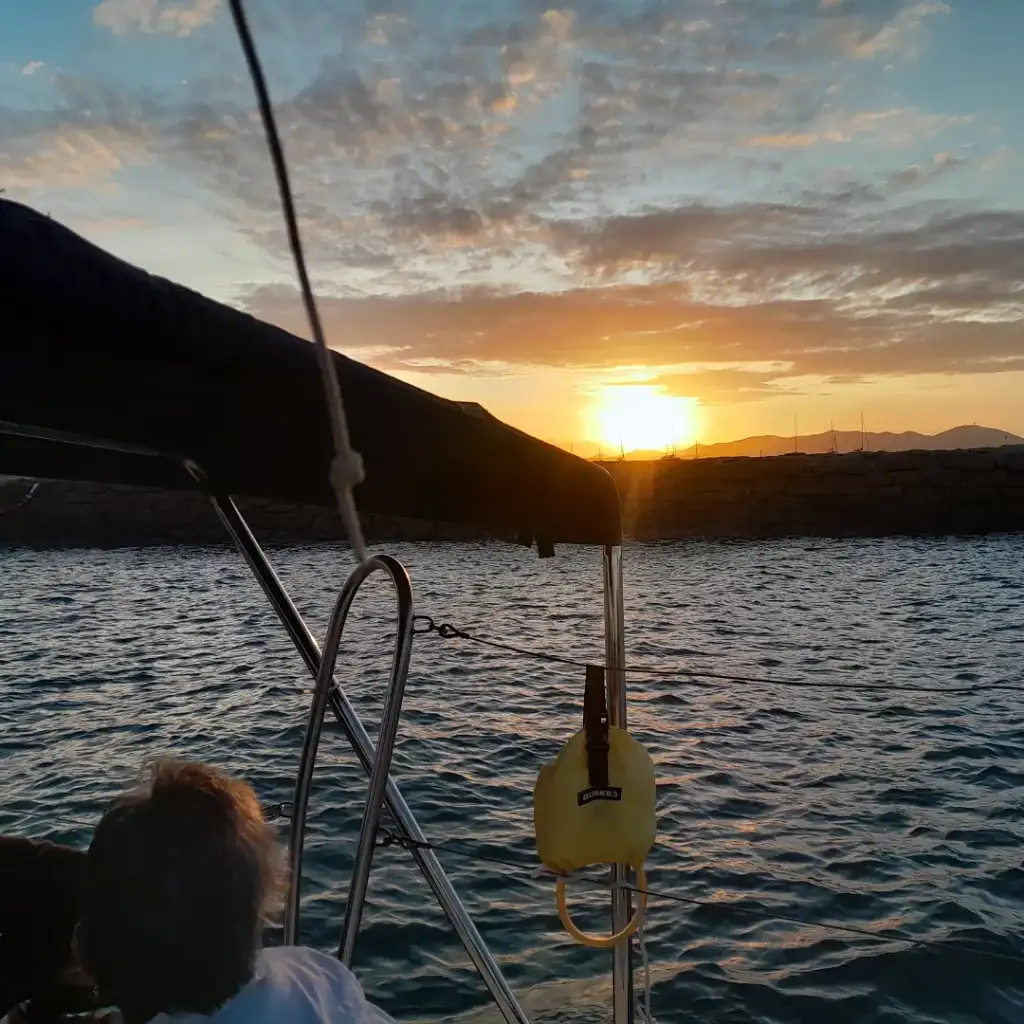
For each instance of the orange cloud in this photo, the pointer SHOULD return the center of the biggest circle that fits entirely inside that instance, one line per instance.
(797, 140)
(154, 16)
(945, 298)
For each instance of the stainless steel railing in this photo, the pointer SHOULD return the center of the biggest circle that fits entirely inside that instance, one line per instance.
(332, 696)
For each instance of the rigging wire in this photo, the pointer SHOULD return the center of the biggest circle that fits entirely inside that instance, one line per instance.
(347, 468)
(694, 676)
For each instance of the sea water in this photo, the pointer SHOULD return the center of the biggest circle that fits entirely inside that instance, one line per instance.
(895, 812)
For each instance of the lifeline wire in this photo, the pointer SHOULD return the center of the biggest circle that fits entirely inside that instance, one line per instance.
(446, 631)
(347, 467)
(393, 838)
(866, 933)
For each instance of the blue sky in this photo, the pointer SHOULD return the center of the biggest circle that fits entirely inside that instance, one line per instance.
(768, 206)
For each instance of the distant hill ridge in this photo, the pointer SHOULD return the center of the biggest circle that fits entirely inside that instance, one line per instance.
(845, 441)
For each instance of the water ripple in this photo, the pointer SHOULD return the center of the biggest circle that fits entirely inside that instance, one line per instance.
(887, 812)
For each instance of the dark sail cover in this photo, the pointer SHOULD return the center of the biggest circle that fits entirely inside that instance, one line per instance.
(94, 347)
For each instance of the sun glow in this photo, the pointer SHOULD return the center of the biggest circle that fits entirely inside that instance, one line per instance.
(641, 417)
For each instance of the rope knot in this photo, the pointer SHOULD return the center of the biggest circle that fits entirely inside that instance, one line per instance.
(347, 470)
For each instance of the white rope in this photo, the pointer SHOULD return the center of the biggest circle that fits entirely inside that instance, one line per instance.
(346, 471)
(645, 1011)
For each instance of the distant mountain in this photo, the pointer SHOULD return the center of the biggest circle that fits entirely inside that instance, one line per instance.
(846, 441)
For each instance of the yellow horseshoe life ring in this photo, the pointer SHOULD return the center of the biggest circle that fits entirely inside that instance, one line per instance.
(603, 941)
(595, 804)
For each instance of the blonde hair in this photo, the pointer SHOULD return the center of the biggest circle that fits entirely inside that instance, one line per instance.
(181, 878)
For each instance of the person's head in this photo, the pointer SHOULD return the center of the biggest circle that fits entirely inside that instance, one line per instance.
(179, 882)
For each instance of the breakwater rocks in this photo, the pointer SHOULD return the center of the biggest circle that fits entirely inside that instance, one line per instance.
(867, 494)
(58, 514)
(858, 494)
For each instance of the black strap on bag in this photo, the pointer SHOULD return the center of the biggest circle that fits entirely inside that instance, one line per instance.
(595, 725)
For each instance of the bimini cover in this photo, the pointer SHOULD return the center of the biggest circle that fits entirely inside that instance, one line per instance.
(92, 346)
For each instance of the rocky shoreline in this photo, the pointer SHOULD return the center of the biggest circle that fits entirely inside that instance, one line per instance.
(869, 494)
(857, 494)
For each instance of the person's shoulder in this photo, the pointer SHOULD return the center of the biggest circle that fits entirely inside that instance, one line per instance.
(303, 960)
(323, 978)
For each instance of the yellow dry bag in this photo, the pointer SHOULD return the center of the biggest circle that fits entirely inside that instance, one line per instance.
(595, 804)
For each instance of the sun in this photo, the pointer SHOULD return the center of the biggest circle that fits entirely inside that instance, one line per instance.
(635, 417)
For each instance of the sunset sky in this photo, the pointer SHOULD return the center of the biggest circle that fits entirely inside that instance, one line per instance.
(703, 216)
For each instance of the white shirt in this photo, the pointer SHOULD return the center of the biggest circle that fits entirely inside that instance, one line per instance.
(293, 985)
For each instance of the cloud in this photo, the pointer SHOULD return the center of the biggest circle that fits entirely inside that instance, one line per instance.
(715, 386)
(999, 160)
(902, 125)
(797, 140)
(32, 67)
(860, 30)
(422, 139)
(866, 261)
(108, 225)
(845, 192)
(85, 140)
(182, 18)
(900, 37)
(915, 175)
(593, 158)
(68, 156)
(897, 126)
(942, 297)
(653, 327)
(447, 145)
(669, 238)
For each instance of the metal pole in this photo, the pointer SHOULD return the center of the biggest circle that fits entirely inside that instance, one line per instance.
(430, 867)
(615, 657)
(300, 800)
(385, 742)
(382, 761)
